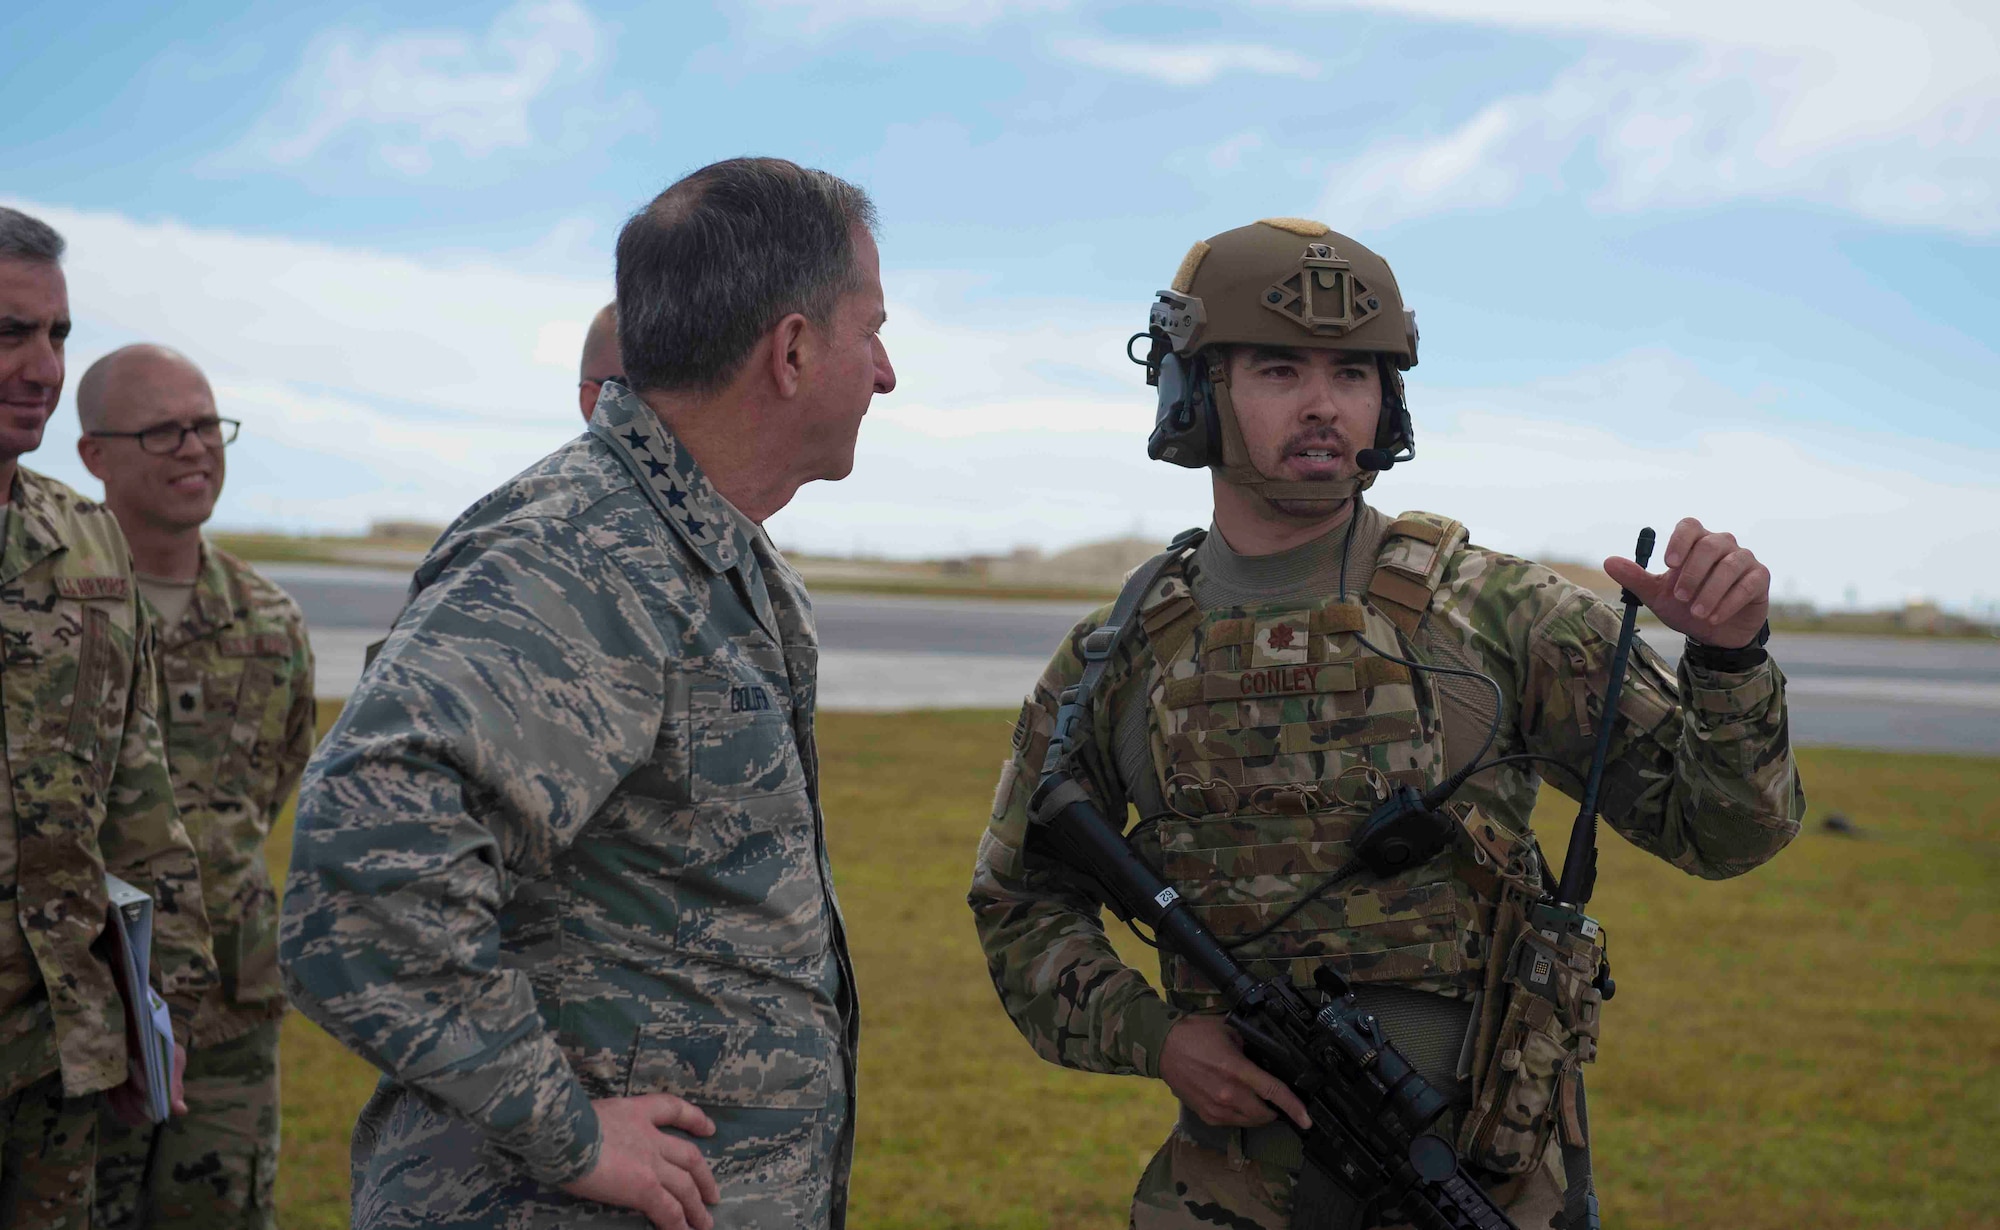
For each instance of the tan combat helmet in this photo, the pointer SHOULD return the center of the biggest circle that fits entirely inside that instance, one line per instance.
(1281, 282)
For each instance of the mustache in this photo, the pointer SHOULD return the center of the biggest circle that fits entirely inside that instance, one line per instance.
(1328, 438)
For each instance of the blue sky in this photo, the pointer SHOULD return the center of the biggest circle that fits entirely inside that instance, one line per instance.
(1670, 257)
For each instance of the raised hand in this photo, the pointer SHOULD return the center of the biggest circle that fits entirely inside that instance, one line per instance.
(1713, 590)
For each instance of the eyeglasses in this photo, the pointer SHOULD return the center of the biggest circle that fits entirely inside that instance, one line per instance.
(167, 437)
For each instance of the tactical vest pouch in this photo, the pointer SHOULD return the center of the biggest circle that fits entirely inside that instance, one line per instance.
(1548, 1030)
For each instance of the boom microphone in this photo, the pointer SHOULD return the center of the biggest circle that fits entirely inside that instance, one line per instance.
(1374, 459)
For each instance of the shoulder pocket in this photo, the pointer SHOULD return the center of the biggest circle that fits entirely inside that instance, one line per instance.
(91, 703)
(250, 718)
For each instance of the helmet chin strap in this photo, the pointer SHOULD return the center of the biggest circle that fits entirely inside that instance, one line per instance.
(1237, 469)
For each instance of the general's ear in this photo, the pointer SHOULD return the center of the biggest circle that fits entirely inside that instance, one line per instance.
(793, 348)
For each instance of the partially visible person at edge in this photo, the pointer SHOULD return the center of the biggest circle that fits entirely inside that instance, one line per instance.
(88, 787)
(560, 869)
(238, 726)
(1253, 731)
(600, 359)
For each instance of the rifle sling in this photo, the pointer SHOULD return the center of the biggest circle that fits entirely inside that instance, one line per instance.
(1102, 645)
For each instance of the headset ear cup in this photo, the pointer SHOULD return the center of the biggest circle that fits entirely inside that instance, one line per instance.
(1210, 415)
(1184, 429)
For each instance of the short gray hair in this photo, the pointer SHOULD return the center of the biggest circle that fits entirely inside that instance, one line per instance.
(709, 265)
(23, 238)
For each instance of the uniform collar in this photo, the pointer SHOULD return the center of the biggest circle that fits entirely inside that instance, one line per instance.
(671, 478)
(216, 604)
(32, 531)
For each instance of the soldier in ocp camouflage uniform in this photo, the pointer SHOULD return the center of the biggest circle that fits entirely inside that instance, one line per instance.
(560, 869)
(238, 725)
(1256, 713)
(87, 789)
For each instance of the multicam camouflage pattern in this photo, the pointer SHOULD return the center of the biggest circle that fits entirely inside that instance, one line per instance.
(237, 676)
(89, 792)
(1276, 734)
(214, 1168)
(1190, 1183)
(565, 843)
(1530, 1089)
(47, 1146)
(1266, 753)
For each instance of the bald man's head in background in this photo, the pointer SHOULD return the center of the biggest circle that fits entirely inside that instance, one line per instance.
(600, 359)
(151, 389)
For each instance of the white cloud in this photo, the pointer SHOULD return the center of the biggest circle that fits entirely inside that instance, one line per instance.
(408, 96)
(1186, 63)
(1891, 115)
(463, 338)
(428, 383)
(819, 16)
(1566, 468)
(376, 386)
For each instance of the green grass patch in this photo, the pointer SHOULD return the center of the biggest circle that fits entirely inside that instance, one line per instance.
(1817, 1043)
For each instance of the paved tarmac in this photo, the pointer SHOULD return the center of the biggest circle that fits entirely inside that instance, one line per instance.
(916, 653)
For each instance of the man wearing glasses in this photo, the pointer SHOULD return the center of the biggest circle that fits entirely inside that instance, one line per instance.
(238, 726)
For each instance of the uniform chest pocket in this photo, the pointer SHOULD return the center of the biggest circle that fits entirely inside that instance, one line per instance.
(740, 741)
(244, 717)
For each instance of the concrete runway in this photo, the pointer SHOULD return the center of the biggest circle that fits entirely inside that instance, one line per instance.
(915, 653)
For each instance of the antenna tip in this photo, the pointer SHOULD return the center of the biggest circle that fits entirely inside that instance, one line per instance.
(1644, 552)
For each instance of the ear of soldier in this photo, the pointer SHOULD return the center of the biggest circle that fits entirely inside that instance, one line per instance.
(1308, 660)
(601, 361)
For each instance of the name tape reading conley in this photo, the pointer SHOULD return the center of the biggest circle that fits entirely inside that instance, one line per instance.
(1283, 681)
(1298, 680)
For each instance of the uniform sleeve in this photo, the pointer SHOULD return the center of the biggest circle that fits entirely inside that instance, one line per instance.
(1041, 927)
(144, 842)
(301, 725)
(517, 689)
(1700, 770)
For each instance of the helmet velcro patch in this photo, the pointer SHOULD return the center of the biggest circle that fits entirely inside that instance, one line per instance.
(1184, 276)
(1298, 226)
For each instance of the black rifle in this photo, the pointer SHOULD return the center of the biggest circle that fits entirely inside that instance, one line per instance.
(1371, 1112)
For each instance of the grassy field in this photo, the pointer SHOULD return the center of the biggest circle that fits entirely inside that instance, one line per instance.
(1817, 1043)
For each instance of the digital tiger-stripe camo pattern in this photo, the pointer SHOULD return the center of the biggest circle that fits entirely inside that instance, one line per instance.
(565, 843)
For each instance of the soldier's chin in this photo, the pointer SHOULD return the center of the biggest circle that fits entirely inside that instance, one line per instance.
(1306, 510)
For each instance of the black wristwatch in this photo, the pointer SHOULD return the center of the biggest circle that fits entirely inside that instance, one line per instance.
(1730, 661)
